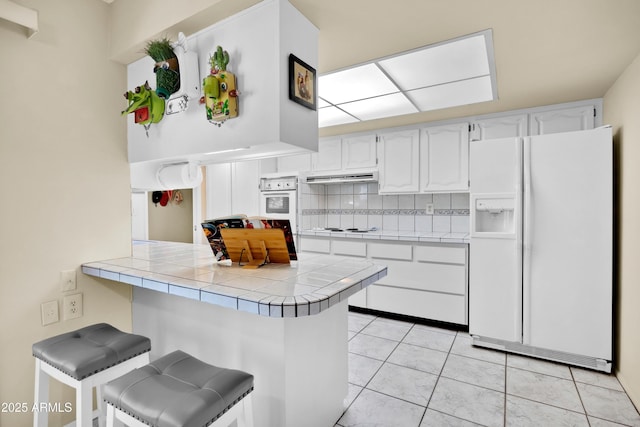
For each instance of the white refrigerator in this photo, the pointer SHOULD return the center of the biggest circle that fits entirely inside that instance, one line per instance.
(540, 273)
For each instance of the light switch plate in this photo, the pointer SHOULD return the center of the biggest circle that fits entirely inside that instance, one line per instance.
(68, 280)
(49, 311)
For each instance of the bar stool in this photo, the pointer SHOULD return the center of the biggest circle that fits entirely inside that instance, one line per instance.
(179, 390)
(84, 359)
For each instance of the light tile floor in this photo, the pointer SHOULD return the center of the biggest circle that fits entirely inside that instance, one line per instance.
(410, 375)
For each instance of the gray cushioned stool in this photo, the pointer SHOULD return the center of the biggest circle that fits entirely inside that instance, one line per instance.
(179, 390)
(84, 359)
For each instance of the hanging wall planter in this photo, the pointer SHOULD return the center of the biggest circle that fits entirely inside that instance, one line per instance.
(166, 68)
(146, 106)
(220, 93)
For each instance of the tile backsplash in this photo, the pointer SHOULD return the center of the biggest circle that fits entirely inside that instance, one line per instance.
(360, 206)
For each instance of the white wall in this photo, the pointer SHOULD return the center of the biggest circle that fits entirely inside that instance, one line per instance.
(621, 110)
(66, 197)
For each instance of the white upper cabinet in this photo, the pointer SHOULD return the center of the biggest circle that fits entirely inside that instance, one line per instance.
(245, 191)
(218, 196)
(329, 155)
(398, 155)
(355, 152)
(444, 158)
(232, 188)
(359, 152)
(293, 164)
(562, 120)
(500, 127)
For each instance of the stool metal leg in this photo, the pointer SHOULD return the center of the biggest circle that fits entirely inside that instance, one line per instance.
(40, 418)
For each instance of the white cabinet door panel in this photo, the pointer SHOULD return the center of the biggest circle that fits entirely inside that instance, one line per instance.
(329, 155)
(296, 163)
(315, 245)
(342, 247)
(425, 277)
(359, 152)
(218, 200)
(501, 127)
(390, 251)
(245, 191)
(562, 120)
(444, 158)
(443, 307)
(441, 254)
(399, 162)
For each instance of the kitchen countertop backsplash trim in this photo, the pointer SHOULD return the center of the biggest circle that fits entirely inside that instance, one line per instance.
(408, 236)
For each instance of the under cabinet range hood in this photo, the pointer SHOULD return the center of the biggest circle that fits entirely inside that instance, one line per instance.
(340, 177)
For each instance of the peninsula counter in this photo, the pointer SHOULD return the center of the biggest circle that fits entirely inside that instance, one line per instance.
(284, 323)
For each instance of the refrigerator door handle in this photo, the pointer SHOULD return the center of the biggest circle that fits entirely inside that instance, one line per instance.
(526, 246)
(518, 315)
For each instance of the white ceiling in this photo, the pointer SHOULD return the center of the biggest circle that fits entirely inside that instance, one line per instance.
(546, 51)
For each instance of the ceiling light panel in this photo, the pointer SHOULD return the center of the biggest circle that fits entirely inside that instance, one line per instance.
(463, 92)
(382, 106)
(361, 82)
(332, 116)
(322, 103)
(451, 61)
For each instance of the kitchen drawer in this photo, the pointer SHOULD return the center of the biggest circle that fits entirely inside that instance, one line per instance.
(390, 251)
(343, 247)
(446, 254)
(315, 245)
(428, 305)
(425, 277)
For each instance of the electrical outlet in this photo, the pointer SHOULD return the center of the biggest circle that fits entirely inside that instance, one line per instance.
(49, 311)
(429, 209)
(68, 280)
(72, 306)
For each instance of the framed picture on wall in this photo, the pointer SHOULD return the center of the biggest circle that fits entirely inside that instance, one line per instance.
(302, 82)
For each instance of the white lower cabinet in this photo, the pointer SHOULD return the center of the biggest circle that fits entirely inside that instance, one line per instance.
(428, 305)
(322, 246)
(426, 280)
(351, 248)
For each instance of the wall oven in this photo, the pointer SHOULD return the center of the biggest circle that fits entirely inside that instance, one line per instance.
(279, 198)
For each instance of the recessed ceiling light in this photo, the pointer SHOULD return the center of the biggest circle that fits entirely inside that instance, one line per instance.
(452, 94)
(364, 81)
(455, 72)
(455, 60)
(332, 116)
(394, 104)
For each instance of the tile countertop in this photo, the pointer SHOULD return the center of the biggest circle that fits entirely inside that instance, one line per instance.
(409, 236)
(305, 287)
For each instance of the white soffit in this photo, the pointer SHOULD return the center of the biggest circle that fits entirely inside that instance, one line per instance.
(455, 72)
